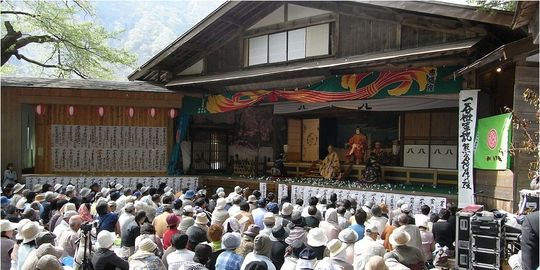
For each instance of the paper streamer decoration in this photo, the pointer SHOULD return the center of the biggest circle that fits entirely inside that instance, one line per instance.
(283, 190)
(262, 189)
(78, 148)
(361, 197)
(177, 183)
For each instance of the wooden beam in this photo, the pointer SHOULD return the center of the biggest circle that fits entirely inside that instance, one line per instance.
(284, 26)
(418, 21)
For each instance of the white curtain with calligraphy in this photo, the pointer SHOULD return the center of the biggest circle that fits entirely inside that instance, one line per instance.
(468, 100)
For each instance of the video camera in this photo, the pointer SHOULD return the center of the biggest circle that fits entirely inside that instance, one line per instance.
(87, 226)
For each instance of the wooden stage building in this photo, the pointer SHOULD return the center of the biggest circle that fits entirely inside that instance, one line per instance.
(257, 79)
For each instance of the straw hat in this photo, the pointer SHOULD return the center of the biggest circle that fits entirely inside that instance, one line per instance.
(19, 225)
(144, 189)
(405, 208)
(237, 189)
(231, 224)
(118, 186)
(48, 262)
(21, 204)
(105, 191)
(348, 236)
(49, 195)
(85, 192)
(252, 199)
(37, 188)
(57, 187)
(399, 238)
(147, 245)
(30, 231)
(70, 188)
(188, 209)
(230, 240)
(376, 263)
(68, 207)
(269, 218)
(105, 239)
(372, 228)
(18, 187)
(220, 204)
(6, 225)
(287, 209)
(316, 237)
(253, 230)
(201, 219)
(335, 247)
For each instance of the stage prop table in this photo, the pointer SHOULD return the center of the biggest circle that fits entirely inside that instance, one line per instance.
(176, 182)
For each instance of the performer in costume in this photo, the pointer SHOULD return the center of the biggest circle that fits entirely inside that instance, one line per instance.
(356, 147)
(330, 166)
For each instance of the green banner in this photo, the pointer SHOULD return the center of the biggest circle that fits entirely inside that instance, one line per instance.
(493, 142)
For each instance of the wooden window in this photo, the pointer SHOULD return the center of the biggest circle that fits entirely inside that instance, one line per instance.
(296, 44)
(277, 47)
(289, 45)
(258, 50)
(318, 40)
(209, 150)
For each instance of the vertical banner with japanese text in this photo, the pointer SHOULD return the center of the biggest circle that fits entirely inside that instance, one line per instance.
(468, 100)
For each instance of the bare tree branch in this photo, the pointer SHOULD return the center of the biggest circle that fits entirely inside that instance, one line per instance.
(21, 56)
(18, 13)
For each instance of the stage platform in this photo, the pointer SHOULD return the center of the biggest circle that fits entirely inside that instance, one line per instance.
(390, 174)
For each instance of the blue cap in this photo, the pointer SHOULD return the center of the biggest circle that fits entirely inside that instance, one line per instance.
(261, 202)
(308, 254)
(189, 194)
(273, 207)
(4, 200)
(137, 194)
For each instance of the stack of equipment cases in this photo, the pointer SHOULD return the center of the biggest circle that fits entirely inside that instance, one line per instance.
(487, 241)
(463, 236)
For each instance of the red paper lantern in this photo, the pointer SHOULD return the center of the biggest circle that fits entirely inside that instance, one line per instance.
(40, 109)
(71, 110)
(173, 113)
(101, 111)
(152, 112)
(131, 112)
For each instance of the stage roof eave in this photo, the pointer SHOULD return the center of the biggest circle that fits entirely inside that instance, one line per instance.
(502, 54)
(352, 61)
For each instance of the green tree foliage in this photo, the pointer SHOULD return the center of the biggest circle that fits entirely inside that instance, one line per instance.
(508, 5)
(68, 31)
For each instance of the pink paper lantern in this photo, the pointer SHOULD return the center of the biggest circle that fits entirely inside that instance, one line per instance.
(152, 112)
(40, 109)
(131, 112)
(173, 113)
(71, 110)
(101, 111)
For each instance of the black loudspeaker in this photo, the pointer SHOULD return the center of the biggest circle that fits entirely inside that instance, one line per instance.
(487, 241)
(463, 239)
